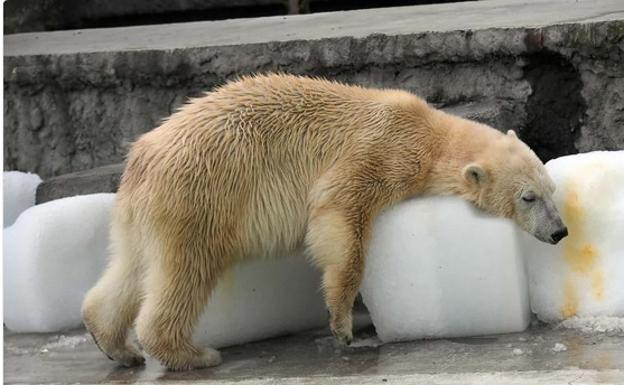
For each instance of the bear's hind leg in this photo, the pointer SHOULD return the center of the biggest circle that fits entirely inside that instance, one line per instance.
(177, 287)
(111, 306)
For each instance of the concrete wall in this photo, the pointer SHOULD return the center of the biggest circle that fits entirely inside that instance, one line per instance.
(49, 15)
(561, 86)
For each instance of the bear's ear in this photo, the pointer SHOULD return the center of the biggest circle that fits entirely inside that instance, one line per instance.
(474, 173)
(512, 133)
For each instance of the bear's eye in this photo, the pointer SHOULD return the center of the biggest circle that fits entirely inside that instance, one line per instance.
(529, 198)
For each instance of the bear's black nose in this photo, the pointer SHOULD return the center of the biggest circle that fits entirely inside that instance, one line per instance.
(559, 234)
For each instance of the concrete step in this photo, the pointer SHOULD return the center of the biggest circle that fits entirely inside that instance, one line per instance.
(98, 180)
(553, 67)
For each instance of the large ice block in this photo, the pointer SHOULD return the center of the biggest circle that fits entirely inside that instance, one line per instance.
(19, 189)
(261, 299)
(584, 274)
(56, 251)
(439, 268)
(53, 254)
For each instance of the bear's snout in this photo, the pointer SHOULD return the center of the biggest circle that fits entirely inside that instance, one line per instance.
(559, 235)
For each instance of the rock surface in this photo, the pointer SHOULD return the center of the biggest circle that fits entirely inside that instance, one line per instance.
(552, 68)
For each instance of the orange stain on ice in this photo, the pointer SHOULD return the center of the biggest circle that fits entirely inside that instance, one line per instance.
(580, 255)
(598, 284)
(570, 299)
(582, 258)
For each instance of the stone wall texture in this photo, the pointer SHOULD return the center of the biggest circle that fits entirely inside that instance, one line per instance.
(561, 87)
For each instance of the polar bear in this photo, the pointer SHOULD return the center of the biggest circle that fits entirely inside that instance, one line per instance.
(264, 164)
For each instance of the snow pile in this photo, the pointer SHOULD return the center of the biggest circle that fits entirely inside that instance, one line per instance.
(369, 342)
(53, 254)
(261, 299)
(19, 190)
(438, 268)
(600, 324)
(63, 342)
(584, 274)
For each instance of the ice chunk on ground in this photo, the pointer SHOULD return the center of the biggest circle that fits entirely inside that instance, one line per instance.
(261, 299)
(584, 274)
(559, 347)
(599, 324)
(439, 268)
(19, 189)
(370, 342)
(63, 342)
(53, 254)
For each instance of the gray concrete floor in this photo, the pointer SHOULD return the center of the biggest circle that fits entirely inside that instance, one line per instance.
(313, 357)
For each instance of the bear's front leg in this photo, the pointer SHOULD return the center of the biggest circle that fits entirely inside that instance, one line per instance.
(337, 239)
(341, 284)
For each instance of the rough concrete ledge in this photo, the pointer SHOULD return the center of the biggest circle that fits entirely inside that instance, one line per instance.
(553, 69)
(98, 180)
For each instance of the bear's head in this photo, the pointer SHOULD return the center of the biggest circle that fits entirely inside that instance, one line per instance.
(507, 179)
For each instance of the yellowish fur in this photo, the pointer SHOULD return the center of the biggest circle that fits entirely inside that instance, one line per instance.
(255, 169)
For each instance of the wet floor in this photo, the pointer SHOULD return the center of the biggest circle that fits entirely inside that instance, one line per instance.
(314, 357)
